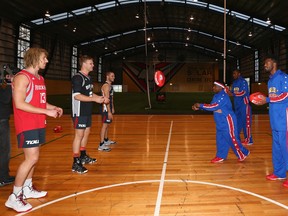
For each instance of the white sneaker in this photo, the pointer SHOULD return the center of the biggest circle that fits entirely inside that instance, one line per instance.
(109, 142)
(17, 203)
(104, 148)
(32, 192)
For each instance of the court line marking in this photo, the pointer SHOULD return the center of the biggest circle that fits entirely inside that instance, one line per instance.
(161, 185)
(154, 181)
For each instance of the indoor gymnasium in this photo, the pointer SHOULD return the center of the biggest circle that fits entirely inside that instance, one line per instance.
(143, 107)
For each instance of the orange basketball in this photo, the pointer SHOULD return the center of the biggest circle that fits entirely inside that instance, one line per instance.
(159, 78)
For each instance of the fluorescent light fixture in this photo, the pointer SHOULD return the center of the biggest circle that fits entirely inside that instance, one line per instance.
(47, 14)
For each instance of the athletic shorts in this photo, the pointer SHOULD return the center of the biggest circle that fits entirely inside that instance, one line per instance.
(105, 118)
(31, 138)
(82, 122)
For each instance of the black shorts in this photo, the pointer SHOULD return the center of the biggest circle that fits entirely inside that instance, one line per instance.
(82, 122)
(31, 138)
(105, 118)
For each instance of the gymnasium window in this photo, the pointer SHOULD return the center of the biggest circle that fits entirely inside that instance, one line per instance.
(23, 44)
(99, 72)
(248, 81)
(238, 64)
(117, 88)
(74, 61)
(256, 65)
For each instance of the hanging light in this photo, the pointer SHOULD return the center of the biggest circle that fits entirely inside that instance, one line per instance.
(137, 16)
(191, 18)
(47, 14)
(250, 34)
(238, 44)
(268, 21)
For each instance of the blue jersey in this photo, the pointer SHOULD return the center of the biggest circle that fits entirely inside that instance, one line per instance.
(240, 92)
(278, 100)
(222, 108)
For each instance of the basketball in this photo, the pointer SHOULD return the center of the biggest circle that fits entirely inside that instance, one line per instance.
(256, 97)
(159, 78)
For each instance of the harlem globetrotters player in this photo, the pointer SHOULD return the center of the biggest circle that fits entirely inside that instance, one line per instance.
(226, 127)
(278, 113)
(240, 92)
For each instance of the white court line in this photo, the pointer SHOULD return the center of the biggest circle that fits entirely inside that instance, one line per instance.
(154, 181)
(161, 186)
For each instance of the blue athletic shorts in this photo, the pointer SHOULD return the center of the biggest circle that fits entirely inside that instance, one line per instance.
(31, 138)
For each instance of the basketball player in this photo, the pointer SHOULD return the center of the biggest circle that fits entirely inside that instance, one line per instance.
(278, 113)
(240, 92)
(82, 104)
(226, 127)
(107, 111)
(30, 110)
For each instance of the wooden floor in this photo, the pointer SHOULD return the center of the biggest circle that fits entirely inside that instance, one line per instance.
(160, 166)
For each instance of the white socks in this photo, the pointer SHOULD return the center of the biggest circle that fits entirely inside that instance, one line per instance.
(27, 182)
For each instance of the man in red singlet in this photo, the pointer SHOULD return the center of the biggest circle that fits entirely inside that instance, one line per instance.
(30, 110)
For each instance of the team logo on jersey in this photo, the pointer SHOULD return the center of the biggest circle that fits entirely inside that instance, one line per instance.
(272, 90)
(40, 87)
(236, 89)
(89, 87)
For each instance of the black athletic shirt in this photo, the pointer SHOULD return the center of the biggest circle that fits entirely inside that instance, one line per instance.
(81, 84)
(111, 92)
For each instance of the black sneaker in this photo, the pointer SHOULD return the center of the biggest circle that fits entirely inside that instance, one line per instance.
(78, 167)
(7, 181)
(87, 160)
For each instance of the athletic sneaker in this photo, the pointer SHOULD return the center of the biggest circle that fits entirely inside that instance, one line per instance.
(7, 181)
(78, 167)
(18, 203)
(32, 192)
(247, 142)
(245, 156)
(109, 142)
(273, 177)
(104, 148)
(87, 160)
(285, 183)
(217, 160)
